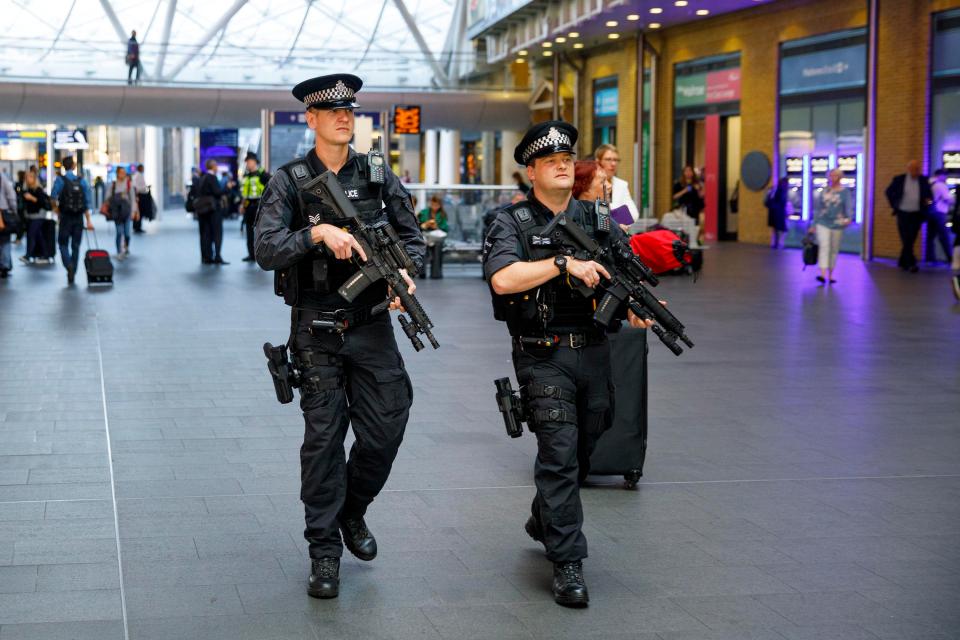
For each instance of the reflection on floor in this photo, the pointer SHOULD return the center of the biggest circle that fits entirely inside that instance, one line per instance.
(802, 480)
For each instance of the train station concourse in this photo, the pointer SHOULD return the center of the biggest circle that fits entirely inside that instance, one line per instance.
(480, 320)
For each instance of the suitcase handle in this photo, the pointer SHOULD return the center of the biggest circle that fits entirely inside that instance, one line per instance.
(86, 232)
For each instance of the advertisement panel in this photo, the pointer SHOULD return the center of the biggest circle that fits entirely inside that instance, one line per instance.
(827, 70)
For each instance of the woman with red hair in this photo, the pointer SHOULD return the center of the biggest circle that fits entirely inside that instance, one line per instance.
(589, 180)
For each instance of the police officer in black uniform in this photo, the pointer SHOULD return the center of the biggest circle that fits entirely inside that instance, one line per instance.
(351, 370)
(560, 355)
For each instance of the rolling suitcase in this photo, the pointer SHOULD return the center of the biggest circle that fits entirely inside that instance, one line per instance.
(622, 449)
(97, 263)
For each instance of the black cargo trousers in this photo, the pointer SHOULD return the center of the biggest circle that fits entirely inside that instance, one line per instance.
(356, 380)
(569, 398)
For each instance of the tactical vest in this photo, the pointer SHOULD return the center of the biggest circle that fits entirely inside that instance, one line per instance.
(554, 306)
(252, 187)
(319, 273)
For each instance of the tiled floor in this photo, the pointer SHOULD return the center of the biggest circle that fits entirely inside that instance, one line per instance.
(803, 478)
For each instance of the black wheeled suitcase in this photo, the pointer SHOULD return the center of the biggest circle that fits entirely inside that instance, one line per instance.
(622, 449)
(97, 263)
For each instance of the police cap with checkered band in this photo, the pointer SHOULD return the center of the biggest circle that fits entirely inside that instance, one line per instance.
(553, 136)
(336, 91)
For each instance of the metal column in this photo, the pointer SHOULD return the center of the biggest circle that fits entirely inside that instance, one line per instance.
(870, 157)
(266, 119)
(556, 87)
(638, 138)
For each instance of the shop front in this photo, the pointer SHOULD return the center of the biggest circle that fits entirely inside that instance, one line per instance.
(706, 136)
(822, 120)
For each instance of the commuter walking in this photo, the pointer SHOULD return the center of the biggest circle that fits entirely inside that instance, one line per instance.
(208, 207)
(72, 197)
(832, 214)
(909, 195)
(21, 214)
(251, 190)
(955, 263)
(940, 210)
(776, 203)
(434, 224)
(8, 223)
(133, 59)
(608, 158)
(144, 202)
(36, 203)
(121, 207)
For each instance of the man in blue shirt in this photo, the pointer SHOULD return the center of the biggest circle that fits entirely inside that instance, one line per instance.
(72, 197)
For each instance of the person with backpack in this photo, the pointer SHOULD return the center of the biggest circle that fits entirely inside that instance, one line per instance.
(8, 223)
(121, 207)
(72, 197)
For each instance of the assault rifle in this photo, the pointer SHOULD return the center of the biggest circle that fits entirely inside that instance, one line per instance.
(625, 286)
(386, 257)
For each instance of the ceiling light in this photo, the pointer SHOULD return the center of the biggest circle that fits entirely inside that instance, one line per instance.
(523, 52)
(702, 12)
(547, 54)
(680, 3)
(633, 17)
(520, 60)
(546, 44)
(654, 25)
(560, 39)
(656, 10)
(573, 34)
(613, 36)
(612, 23)
(578, 45)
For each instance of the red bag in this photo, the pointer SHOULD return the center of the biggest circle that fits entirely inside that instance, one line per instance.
(663, 250)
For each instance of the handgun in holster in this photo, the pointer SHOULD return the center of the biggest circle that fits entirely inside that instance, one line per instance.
(511, 407)
(285, 377)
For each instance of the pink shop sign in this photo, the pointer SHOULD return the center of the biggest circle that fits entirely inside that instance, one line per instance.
(723, 86)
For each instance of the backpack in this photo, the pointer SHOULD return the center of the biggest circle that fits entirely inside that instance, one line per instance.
(119, 207)
(662, 250)
(72, 199)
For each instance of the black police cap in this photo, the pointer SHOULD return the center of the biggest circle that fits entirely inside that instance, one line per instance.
(336, 91)
(553, 136)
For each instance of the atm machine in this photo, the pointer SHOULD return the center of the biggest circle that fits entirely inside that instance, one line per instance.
(794, 171)
(950, 160)
(852, 167)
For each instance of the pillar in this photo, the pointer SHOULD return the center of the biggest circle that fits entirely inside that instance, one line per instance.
(487, 167)
(508, 142)
(430, 139)
(153, 163)
(189, 149)
(448, 168)
(409, 146)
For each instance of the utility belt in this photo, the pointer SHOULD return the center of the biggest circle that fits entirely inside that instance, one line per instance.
(574, 340)
(338, 320)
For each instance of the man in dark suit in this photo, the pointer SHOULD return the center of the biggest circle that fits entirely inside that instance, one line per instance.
(910, 196)
(209, 211)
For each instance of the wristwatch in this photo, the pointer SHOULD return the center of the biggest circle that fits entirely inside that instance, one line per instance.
(561, 262)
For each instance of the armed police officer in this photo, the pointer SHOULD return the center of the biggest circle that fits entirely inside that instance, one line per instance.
(561, 357)
(251, 188)
(350, 369)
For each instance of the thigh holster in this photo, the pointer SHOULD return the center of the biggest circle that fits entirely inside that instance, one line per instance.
(535, 391)
(318, 371)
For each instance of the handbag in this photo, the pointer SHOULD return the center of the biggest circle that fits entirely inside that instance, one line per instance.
(811, 251)
(11, 222)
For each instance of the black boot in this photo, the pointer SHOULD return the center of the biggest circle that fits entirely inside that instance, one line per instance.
(324, 578)
(358, 538)
(569, 588)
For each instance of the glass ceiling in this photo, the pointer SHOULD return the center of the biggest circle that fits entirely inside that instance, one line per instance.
(223, 42)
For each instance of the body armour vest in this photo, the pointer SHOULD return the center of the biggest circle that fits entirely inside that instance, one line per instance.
(555, 306)
(314, 280)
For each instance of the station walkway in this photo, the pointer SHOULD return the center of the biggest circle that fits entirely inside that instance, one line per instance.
(802, 480)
